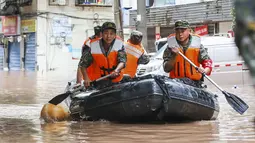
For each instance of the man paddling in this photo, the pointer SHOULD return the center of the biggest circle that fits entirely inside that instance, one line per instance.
(183, 59)
(190, 45)
(106, 55)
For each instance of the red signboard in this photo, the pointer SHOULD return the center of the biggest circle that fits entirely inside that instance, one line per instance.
(9, 25)
(157, 36)
(201, 30)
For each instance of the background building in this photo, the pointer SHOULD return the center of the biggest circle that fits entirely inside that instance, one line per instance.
(205, 16)
(48, 34)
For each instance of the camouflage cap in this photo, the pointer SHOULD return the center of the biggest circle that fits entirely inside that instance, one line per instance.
(108, 25)
(181, 24)
(136, 33)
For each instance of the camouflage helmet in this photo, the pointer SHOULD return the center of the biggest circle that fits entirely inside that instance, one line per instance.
(108, 25)
(181, 24)
(97, 30)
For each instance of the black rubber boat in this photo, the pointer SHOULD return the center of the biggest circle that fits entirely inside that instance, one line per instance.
(145, 99)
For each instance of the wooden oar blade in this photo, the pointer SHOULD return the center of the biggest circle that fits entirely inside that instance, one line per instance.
(235, 102)
(59, 98)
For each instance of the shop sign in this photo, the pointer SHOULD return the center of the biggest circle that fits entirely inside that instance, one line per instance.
(9, 25)
(28, 26)
(201, 30)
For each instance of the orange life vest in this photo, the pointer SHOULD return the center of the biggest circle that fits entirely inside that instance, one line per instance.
(134, 52)
(183, 68)
(90, 70)
(90, 39)
(105, 65)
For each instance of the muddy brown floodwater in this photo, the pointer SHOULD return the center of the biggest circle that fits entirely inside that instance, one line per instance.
(22, 95)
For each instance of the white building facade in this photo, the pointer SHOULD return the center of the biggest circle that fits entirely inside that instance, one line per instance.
(60, 29)
(61, 34)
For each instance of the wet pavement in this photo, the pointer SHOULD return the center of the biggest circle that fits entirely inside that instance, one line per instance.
(22, 95)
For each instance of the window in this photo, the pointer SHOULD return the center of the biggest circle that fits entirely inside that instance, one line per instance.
(90, 2)
(25, 2)
(94, 2)
(57, 2)
(158, 3)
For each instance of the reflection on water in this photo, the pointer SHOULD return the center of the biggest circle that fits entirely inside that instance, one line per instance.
(111, 132)
(22, 96)
(17, 130)
(103, 132)
(53, 132)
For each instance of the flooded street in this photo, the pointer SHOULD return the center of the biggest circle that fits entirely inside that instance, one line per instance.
(22, 95)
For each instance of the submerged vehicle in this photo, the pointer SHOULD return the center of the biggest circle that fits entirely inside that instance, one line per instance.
(144, 99)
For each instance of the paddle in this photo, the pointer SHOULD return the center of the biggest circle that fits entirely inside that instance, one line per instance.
(235, 102)
(59, 98)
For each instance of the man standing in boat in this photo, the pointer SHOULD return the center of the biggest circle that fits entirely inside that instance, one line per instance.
(136, 53)
(106, 55)
(86, 45)
(190, 45)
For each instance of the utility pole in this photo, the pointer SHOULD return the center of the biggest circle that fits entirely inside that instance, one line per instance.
(142, 21)
(118, 18)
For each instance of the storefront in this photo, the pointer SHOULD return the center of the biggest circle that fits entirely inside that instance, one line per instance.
(14, 54)
(11, 31)
(20, 44)
(28, 28)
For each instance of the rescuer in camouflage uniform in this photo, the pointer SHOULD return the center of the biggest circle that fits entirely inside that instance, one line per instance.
(136, 53)
(108, 48)
(183, 39)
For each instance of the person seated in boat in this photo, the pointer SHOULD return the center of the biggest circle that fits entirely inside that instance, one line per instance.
(106, 55)
(98, 35)
(190, 45)
(136, 53)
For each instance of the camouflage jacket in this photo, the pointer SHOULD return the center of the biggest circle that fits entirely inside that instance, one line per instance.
(87, 59)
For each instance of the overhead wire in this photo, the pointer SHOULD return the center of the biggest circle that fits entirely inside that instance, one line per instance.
(27, 15)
